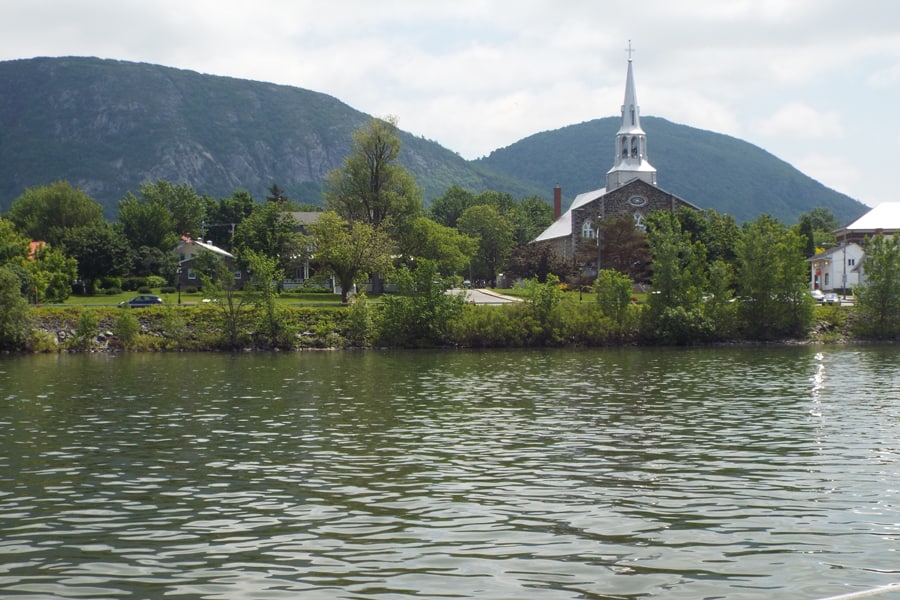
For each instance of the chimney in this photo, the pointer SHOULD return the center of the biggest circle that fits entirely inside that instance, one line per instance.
(557, 202)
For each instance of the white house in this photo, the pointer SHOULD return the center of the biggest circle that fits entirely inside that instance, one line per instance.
(839, 268)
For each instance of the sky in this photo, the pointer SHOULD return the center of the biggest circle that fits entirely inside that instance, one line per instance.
(814, 82)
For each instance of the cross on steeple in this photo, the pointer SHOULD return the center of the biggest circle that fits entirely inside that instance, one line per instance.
(629, 50)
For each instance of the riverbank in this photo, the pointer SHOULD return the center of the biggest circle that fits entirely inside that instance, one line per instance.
(206, 328)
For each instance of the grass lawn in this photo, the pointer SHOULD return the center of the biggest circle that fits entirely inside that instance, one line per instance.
(297, 299)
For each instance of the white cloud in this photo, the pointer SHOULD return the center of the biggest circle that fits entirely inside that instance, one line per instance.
(799, 120)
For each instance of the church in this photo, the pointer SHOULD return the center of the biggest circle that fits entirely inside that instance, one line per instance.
(630, 186)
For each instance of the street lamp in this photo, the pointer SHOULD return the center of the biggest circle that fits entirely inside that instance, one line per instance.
(178, 286)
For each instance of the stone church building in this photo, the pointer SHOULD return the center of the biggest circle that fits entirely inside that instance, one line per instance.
(630, 187)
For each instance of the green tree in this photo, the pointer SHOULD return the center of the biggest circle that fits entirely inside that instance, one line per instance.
(532, 216)
(265, 277)
(147, 223)
(48, 213)
(270, 231)
(186, 207)
(494, 233)
(451, 250)
(623, 247)
(220, 286)
(447, 209)
(818, 227)
(678, 283)
(224, 217)
(372, 186)
(350, 251)
(100, 251)
(52, 275)
(14, 315)
(613, 291)
(421, 313)
(878, 299)
(773, 279)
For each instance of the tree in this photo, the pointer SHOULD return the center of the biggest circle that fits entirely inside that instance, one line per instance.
(265, 277)
(186, 207)
(100, 251)
(817, 226)
(147, 223)
(272, 232)
(613, 290)
(537, 260)
(447, 209)
(878, 299)
(451, 250)
(679, 281)
(350, 251)
(47, 213)
(532, 215)
(421, 312)
(224, 217)
(14, 318)
(623, 247)
(219, 285)
(494, 233)
(371, 186)
(773, 280)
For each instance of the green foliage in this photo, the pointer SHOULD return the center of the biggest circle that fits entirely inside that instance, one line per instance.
(878, 300)
(14, 316)
(613, 291)
(420, 314)
(773, 279)
(126, 328)
(450, 249)
(350, 251)
(85, 330)
(48, 213)
(495, 236)
(360, 325)
(100, 251)
(270, 231)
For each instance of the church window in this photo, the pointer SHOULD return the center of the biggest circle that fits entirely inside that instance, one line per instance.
(632, 116)
(634, 147)
(587, 231)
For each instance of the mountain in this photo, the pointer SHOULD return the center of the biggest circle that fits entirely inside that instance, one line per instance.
(108, 126)
(710, 170)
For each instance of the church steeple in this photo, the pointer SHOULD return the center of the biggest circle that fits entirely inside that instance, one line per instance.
(631, 141)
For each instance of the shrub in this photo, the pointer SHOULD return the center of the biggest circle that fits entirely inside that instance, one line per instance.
(126, 328)
(14, 316)
(167, 290)
(86, 330)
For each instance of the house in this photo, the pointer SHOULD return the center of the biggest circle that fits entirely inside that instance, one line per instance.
(630, 189)
(884, 218)
(301, 270)
(837, 269)
(187, 250)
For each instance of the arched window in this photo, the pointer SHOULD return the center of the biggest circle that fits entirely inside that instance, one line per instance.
(587, 231)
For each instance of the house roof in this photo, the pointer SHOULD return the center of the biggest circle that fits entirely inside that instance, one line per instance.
(185, 241)
(562, 227)
(885, 216)
(306, 217)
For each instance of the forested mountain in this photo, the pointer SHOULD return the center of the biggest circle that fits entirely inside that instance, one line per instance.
(108, 126)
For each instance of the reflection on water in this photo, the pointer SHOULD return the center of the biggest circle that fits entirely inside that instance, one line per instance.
(738, 473)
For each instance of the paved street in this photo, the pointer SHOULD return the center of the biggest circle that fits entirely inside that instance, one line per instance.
(483, 296)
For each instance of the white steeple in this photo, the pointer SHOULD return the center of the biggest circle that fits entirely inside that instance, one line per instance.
(631, 141)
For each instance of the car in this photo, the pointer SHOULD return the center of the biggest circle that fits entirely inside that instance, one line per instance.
(832, 298)
(818, 296)
(142, 300)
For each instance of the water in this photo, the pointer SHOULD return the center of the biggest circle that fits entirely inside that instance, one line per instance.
(712, 473)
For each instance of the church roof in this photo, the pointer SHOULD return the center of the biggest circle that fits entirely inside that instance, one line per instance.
(885, 216)
(562, 227)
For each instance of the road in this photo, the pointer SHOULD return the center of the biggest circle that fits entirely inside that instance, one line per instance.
(483, 296)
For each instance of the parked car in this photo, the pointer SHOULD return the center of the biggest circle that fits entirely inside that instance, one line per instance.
(818, 296)
(832, 298)
(142, 300)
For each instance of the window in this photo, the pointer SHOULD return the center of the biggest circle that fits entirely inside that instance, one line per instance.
(851, 262)
(192, 274)
(587, 231)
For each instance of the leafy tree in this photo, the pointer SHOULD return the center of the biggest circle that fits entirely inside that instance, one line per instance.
(623, 247)
(878, 299)
(276, 195)
(679, 280)
(494, 233)
(532, 216)
(537, 260)
(100, 251)
(14, 316)
(773, 280)
(421, 313)
(224, 217)
(272, 232)
(220, 286)
(187, 208)
(147, 224)
(48, 213)
(447, 209)
(52, 274)
(818, 227)
(451, 250)
(371, 186)
(350, 251)
(613, 291)
(265, 276)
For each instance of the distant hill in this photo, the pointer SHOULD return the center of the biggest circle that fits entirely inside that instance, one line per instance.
(108, 126)
(709, 169)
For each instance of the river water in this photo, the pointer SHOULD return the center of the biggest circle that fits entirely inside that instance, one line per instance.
(627, 473)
